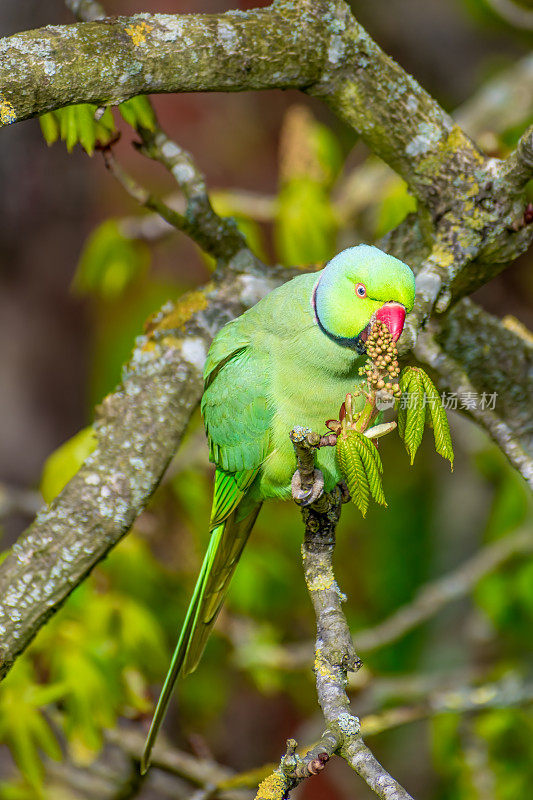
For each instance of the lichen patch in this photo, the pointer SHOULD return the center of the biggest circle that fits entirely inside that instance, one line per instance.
(137, 32)
(178, 315)
(7, 112)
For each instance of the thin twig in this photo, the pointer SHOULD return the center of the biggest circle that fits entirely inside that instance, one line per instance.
(510, 692)
(216, 235)
(86, 10)
(334, 653)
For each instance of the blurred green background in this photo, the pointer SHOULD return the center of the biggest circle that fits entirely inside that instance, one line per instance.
(75, 291)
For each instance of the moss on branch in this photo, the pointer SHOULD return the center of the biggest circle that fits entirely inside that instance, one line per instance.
(107, 61)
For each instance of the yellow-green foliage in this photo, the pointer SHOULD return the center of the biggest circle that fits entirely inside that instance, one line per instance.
(395, 204)
(77, 125)
(89, 664)
(138, 113)
(361, 466)
(419, 405)
(80, 124)
(64, 462)
(306, 223)
(110, 262)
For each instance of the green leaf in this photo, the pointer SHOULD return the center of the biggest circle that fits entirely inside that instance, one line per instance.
(327, 151)
(396, 204)
(352, 468)
(109, 263)
(77, 125)
(441, 428)
(373, 467)
(70, 127)
(411, 423)
(85, 128)
(138, 113)
(22, 724)
(421, 404)
(49, 127)
(64, 462)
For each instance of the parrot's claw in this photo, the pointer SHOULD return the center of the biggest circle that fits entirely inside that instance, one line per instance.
(306, 497)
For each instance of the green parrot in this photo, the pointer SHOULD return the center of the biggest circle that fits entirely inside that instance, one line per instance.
(290, 360)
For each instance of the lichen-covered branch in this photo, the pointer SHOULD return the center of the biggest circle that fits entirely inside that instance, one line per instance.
(335, 654)
(334, 651)
(457, 351)
(138, 428)
(112, 59)
(329, 55)
(186, 771)
(471, 212)
(217, 236)
(510, 692)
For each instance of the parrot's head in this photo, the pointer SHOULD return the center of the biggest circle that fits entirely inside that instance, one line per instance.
(359, 285)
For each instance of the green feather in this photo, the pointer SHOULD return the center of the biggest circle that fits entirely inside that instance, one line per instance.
(228, 537)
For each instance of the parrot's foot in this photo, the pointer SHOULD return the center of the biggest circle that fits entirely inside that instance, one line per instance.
(304, 497)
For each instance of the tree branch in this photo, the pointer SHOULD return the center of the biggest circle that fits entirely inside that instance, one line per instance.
(434, 596)
(334, 652)
(457, 352)
(428, 601)
(332, 57)
(110, 60)
(217, 236)
(509, 692)
(139, 428)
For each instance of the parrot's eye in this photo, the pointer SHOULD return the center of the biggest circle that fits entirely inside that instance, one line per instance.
(360, 289)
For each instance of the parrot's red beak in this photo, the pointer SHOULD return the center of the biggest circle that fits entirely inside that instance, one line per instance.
(393, 315)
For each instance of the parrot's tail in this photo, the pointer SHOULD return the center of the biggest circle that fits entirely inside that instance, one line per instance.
(225, 547)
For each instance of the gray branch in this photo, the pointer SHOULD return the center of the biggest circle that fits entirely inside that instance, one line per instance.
(139, 428)
(334, 651)
(456, 349)
(471, 231)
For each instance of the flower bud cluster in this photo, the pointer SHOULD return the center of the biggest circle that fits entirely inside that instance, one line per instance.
(383, 369)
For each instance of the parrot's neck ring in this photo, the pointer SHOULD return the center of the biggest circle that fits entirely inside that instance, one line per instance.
(356, 343)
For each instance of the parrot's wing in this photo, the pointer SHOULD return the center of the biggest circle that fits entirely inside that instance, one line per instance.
(230, 488)
(236, 409)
